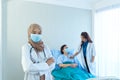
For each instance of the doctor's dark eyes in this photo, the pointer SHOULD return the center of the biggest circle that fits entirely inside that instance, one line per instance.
(36, 32)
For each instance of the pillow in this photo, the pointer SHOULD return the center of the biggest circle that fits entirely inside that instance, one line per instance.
(55, 54)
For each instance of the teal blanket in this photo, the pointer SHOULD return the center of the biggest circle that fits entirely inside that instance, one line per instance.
(70, 73)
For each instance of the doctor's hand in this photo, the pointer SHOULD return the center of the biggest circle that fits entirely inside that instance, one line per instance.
(74, 65)
(50, 61)
(93, 58)
(72, 57)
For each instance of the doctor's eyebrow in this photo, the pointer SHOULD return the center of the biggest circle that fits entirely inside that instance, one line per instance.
(34, 32)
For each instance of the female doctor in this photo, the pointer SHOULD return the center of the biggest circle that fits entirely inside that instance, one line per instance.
(87, 54)
(37, 61)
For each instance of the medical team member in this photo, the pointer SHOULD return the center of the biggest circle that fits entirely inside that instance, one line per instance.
(87, 53)
(37, 61)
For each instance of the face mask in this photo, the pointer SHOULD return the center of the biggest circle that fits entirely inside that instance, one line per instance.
(36, 37)
(67, 50)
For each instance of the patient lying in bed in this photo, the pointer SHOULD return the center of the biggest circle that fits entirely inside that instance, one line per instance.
(69, 69)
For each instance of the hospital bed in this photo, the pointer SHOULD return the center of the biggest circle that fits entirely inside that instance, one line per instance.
(104, 78)
(56, 54)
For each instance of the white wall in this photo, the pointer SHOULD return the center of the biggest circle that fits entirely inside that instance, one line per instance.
(0, 40)
(3, 17)
(61, 25)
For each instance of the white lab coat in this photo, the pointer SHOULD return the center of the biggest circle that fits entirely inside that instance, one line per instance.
(90, 51)
(33, 71)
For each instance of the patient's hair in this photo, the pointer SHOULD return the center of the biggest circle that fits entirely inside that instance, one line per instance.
(62, 47)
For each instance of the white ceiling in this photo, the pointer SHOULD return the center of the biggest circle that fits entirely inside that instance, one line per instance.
(86, 4)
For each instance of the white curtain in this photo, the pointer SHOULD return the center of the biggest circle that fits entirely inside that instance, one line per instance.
(107, 41)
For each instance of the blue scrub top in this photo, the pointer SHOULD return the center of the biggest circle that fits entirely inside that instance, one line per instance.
(84, 47)
(62, 58)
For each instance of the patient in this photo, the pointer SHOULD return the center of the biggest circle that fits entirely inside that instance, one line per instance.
(69, 69)
(65, 58)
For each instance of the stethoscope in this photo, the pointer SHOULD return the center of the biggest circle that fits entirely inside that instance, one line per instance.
(32, 59)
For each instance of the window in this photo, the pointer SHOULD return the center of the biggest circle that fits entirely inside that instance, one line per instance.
(107, 40)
